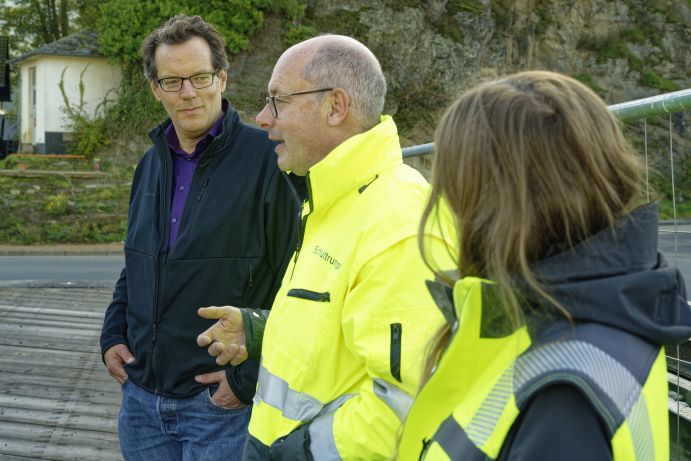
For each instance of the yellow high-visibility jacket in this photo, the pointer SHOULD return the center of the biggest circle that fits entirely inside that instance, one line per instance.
(485, 397)
(344, 343)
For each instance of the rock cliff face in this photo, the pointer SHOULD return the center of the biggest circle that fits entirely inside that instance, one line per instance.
(433, 50)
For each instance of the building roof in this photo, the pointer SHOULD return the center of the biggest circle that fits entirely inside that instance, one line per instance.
(83, 43)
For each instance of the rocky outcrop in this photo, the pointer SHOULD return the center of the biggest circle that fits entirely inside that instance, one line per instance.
(433, 50)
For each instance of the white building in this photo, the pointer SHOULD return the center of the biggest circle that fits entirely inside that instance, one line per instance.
(44, 126)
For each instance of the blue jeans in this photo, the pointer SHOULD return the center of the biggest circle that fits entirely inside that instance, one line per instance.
(154, 428)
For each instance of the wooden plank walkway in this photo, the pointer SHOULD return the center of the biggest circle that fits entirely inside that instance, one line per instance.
(57, 401)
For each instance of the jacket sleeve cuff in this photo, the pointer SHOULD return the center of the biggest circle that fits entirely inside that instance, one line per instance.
(107, 343)
(293, 447)
(253, 322)
(243, 380)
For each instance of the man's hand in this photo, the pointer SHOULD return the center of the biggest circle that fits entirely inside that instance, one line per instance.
(226, 338)
(115, 357)
(224, 396)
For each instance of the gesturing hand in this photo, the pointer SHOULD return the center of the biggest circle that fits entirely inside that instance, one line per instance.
(226, 338)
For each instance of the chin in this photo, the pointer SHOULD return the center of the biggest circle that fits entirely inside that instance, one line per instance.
(196, 127)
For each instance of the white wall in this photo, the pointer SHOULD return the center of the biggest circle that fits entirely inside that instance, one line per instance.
(99, 78)
(25, 109)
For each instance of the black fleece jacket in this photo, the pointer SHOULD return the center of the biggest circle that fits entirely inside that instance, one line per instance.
(238, 231)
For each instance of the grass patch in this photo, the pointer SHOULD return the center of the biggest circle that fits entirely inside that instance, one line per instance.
(40, 163)
(667, 210)
(616, 47)
(341, 22)
(652, 79)
(588, 80)
(58, 209)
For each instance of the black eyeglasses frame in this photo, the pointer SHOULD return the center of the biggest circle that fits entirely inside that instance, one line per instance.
(182, 81)
(271, 100)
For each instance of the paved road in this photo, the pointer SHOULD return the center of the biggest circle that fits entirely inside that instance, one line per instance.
(103, 270)
(94, 270)
(676, 246)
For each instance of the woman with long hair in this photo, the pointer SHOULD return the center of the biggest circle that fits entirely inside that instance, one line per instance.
(553, 343)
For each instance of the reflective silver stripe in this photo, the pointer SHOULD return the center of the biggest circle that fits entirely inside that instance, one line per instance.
(485, 419)
(455, 442)
(322, 442)
(641, 432)
(294, 405)
(335, 404)
(394, 397)
(610, 376)
(569, 361)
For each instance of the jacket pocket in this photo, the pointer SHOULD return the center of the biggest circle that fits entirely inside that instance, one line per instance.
(310, 295)
(395, 351)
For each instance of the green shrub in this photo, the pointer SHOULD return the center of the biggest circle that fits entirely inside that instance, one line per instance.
(89, 132)
(652, 79)
(125, 24)
(589, 81)
(297, 33)
(57, 205)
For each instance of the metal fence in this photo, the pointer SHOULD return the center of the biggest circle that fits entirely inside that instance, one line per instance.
(662, 123)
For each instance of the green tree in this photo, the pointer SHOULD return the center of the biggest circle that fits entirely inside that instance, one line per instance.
(88, 14)
(125, 24)
(33, 23)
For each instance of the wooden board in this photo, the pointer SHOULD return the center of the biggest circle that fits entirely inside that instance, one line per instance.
(57, 401)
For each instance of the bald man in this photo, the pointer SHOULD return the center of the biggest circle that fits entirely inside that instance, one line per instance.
(342, 350)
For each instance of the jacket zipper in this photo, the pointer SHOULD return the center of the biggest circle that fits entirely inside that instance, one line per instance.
(425, 446)
(310, 295)
(395, 353)
(301, 235)
(302, 223)
(304, 218)
(250, 270)
(157, 266)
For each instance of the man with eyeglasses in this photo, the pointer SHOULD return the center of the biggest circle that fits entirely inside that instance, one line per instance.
(342, 349)
(212, 220)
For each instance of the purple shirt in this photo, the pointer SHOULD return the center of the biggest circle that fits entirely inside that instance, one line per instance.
(184, 165)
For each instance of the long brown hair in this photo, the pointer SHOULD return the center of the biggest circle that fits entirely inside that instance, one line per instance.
(528, 163)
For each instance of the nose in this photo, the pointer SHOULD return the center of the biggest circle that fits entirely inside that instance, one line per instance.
(187, 90)
(264, 118)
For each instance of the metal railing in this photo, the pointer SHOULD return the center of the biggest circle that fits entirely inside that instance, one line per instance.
(679, 101)
(670, 234)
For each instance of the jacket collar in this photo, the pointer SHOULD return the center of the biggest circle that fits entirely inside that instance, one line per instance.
(620, 279)
(354, 164)
(632, 247)
(229, 129)
(617, 279)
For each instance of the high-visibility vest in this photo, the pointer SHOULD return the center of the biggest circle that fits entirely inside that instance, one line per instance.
(483, 381)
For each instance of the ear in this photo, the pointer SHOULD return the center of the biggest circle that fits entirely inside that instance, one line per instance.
(223, 79)
(155, 89)
(339, 108)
